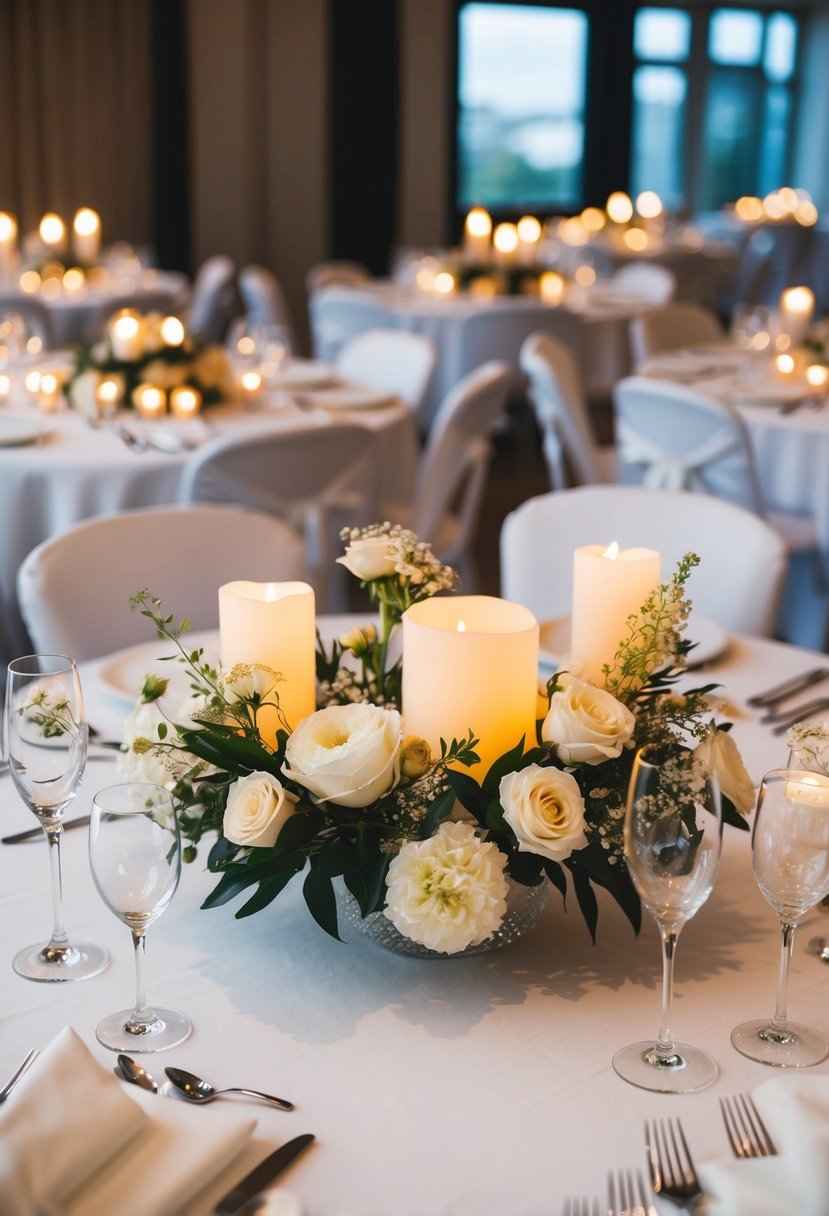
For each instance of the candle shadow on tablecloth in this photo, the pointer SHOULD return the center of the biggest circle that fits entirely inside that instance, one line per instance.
(281, 968)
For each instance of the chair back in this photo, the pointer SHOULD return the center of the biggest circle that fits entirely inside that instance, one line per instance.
(649, 280)
(213, 299)
(391, 360)
(453, 467)
(339, 314)
(739, 580)
(74, 589)
(557, 398)
(336, 273)
(671, 437)
(318, 479)
(33, 314)
(672, 326)
(264, 300)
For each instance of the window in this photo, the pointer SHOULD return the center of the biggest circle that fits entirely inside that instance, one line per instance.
(662, 45)
(521, 98)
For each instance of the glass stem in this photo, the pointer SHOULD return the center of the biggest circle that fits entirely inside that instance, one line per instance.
(780, 1018)
(665, 1041)
(141, 1013)
(58, 940)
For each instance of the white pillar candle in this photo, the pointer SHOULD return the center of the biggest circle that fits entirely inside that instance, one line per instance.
(48, 398)
(529, 236)
(8, 244)
(108, 396)
(185, 402)
(149, 400)
(5, 387)
(797, 304)
(477, 234)
(86, 235)
(817, 377)
(273, 625)
(250, 386)
(126, 336)
(52, 232)
(470, 663)
(172, 331)
(505, 242)
(551, 287)
(609, 585)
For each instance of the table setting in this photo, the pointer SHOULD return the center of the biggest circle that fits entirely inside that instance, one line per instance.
(496, 1030)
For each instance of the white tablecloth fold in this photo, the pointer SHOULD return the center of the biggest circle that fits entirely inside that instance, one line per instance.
(794, 1183)
(73, 1142)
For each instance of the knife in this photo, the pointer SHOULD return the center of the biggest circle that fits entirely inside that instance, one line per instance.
(799, 713)
(36, 833)
(261, 1176)
(788, 688)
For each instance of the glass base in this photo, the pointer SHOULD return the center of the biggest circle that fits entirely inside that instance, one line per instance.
(168, 1030)
(47, 965)
(796, 1047)
(687, 1070)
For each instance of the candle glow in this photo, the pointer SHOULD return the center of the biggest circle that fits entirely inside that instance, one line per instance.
(172, 331)
(52, 229)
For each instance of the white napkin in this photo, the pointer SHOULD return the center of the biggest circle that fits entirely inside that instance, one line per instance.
(74, 1142)
(794, 1183)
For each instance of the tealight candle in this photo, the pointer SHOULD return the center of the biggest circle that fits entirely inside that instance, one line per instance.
(250, 385)
(619, 208)
(126, 336)
(505, 242)
(272, 625)
(551, 287)
(529, 235)
(74, 281)
(609, 585)
(52, 232)
(107, 396)
(149, 400)
(31, 383)
(477, 234)
(444, 284)
(8, 244)
(185, 402)
(470, 663)
(172, 331)
(48, 398)
(86, 234)
(797, 304)
(817, 377)
(785, 366)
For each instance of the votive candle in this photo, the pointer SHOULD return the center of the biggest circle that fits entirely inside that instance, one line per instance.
(86, 235)
(477, 234)
(185, 402)
(797, 305)
(149, 400)
(8, 244)
(126, 336)
(48, 398)
(609, 584)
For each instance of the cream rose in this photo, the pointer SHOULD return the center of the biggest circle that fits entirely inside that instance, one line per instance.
(415, 757)
(257, 810)
(587, 725)
(720, 755)
(545, 809)
(370, 557)
(349, 754)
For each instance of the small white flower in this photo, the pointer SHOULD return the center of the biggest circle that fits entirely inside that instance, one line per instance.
(587, 725)
(143, 723)
(257, 809)
(348, 754)
(248, 682)
(545, 809)
(447, 892)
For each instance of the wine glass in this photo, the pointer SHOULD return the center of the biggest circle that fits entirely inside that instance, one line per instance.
(135, 855)
(46, 740)
(790, 855)
(673, 835)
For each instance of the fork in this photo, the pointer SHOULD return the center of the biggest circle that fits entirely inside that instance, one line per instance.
(17, 1074)
(669, 1161)
(628, 1186)
(747, 1132)
(580, 1207)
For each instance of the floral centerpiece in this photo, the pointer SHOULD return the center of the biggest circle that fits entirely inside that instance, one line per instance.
(146, 350)
(347, 794)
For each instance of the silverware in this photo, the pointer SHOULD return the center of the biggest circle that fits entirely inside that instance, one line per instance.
(670, 1163)
(788, 688)
(256, 1181)
(36, 833)
(820, 947)
(580, 1207)
(798, 713)
(746, 1130)
(126, 436)
(17, 1074)
(627, 1185)
(197, 1090)
(130, 1070)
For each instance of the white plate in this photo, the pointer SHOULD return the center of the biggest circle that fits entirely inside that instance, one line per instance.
(710, 638)
(303, 373)
(124, 672)
(348, 397)
(17, 429)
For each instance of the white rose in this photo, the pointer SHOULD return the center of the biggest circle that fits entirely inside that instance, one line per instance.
(720, 755)
(586, 724)
(257, 809)
(370, 557)
(447, 892)
(349, 754)
(545, 809)
(83, 393)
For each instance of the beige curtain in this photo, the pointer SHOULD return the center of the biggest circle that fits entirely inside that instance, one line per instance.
(75, 103)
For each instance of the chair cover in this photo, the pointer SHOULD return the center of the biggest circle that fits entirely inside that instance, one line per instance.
(738, 583)
(213, 299)
(671, 326)
(391, 360)
(74, 588)
(557, 398)
(338, 314)
(336, 274)
(264, 300)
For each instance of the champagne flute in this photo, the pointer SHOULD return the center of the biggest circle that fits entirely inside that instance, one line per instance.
(673, 836)
(46, 739)
(135, 855)
(790, 855)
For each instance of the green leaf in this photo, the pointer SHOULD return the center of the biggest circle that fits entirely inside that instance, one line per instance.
(586, 897)
(222, 851)
(229, 887)
(731, 815)
(319, 896)
(269, 888)
(494, 818)
(375, 874)
(556, 876)
(469, 793)
(298, 831)
(439, 809)
(507, 763)
(526, 868)
(594, 862)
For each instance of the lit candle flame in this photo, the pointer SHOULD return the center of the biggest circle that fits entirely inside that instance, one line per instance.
(461, 627)
(612, 551)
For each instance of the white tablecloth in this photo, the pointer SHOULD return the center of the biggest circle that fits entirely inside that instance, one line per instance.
(78, 471)
(435, 1088)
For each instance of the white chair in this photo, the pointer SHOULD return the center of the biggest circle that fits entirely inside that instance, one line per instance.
(648, 280)
(338, 314)
(318, 478)
(452, 472)
(557, 397)
(673, 326)
(391, 360)
(213, 299)
(337, 273)
(74, 589)
(737, 584)
(264, 300)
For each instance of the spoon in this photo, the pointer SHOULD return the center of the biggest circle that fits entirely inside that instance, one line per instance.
(820, 947)
(131, 1071)
(197, 1090)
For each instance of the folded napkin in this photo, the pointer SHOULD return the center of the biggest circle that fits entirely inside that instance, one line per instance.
(74, 1142)
(794, 1183)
